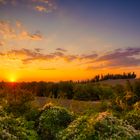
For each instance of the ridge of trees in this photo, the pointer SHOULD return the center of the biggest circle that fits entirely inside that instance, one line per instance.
(101, 77)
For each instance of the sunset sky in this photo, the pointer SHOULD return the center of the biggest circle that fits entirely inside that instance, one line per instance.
(53, 40)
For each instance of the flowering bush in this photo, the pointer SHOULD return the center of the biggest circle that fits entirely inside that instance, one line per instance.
(133, 117)
(52, 120)
(137, 106)
(99, 127)
(16, 128)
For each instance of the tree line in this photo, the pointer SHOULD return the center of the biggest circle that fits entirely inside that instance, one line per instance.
(101, 77)
(71, 90)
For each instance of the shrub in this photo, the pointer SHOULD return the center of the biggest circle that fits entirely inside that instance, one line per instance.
(81, 93)
(106, 93)
(137, 106)
(32, 114)
(19, 102)
(2, 112)
(52, 120)
(136, 89)
(98, 127)
(86, 92)
(16, 128)
(104, 106)
(133, 117)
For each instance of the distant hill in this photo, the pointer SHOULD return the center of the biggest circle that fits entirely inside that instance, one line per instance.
(117, 81)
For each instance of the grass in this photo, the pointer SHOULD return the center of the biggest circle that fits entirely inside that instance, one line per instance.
(117, 81)
(75, 106)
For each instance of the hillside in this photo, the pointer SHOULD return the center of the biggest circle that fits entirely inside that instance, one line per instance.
(118, 81)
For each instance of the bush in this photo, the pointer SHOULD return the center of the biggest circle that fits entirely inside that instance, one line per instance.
(136, 89)
(106, 93)
(32, 114)
(52, 120)
(86, 92)
(104, 106)
(98, 127)
(137, 106)
(133, 117)
(16, 128)
(19, 102)
(2, 112)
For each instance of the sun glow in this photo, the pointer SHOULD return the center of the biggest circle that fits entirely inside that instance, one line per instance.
(12, 79)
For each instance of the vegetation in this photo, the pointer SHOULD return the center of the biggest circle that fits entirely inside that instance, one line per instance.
(114, 113)
(12, 128)
(52, 120)
(102, 126)
(113, 76)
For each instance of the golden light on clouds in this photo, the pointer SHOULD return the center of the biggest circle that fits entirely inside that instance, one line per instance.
(44, 41)
(41, 8)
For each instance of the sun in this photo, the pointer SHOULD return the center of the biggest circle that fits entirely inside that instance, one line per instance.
(12, 79)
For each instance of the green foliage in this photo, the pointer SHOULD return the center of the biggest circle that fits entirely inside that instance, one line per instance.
(136, 89)
(136, 106)
(86, 92)
(98, 127)
(19, 102)
(67, 89)
(52, 120)
(2, 112)
(16, 128)
(133, 117)
(41, 89)
(129, 86)
(81, 92)
(108, 76)
(104, 106)
(32, 114)
(119, 90)
(106, 92)
(57, 123)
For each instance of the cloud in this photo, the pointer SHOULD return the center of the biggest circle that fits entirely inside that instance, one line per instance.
(61, 50)
(46, 6)
(40, 8)
(42, 1)
(16, 31)
(29, 56)
(4, 2)
(24, 35)
(38, 49)
(2, 43)
(128, 57)
(47, 69)
(90, 56)
(119, 53)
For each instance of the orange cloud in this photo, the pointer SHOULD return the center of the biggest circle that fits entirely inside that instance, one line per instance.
(41, 8)
(8, 32)
(29, 56)
(43, 1)
(2, 43)
(38, 5)
(3, 1)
